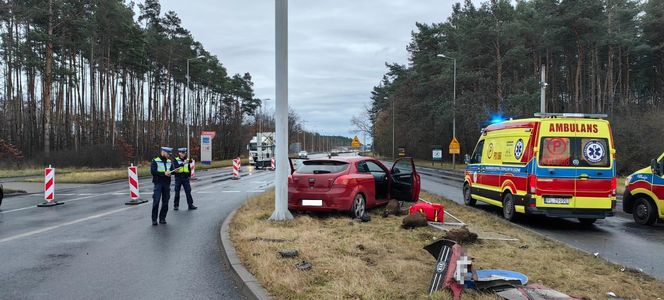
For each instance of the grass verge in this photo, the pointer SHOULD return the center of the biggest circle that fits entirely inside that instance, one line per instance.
(12, 172)
(379, 260)
(103, 175)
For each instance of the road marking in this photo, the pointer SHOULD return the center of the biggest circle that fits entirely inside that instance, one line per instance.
(31, 233)
(65, 201)
(256, 191)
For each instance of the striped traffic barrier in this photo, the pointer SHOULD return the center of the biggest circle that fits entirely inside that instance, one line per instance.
(49, 188)
(236, 168)
(273, 165)
(239, 164)
(193, 170)
(134, 193)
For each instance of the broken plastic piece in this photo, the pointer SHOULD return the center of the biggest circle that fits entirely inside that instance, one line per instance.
(289, 253)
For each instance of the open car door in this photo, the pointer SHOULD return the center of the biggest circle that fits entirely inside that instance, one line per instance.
(405, 185)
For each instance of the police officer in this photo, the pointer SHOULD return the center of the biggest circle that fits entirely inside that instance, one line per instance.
(182, 174)
(161, 177)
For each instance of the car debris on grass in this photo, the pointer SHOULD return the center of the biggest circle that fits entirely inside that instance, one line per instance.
(379, 260)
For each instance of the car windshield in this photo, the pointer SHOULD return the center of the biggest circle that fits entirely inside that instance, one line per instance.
(321, 167)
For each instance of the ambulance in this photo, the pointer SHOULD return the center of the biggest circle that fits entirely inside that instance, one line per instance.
(557, 165)
(644, 193)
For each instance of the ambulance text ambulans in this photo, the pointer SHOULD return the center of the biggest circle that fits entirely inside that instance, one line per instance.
(644, 193)
(558, 165)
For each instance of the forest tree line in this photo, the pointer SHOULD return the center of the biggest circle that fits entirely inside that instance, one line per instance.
(600, 56)
(94, 78)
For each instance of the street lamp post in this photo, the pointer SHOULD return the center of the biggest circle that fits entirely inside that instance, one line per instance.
(184, 106)
(453, 106)
(393, 157)
(260, 129)
(281, 212)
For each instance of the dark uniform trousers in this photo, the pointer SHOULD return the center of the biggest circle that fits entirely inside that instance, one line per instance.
(162, 192)
(179, 183)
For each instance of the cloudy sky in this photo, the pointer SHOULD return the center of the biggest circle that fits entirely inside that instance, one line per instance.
(337, 48)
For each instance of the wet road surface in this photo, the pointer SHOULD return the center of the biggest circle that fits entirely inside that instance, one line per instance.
(95, 247)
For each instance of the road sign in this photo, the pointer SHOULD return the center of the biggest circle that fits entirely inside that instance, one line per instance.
(437, 154)
(211, 134)
(356, 142)
(455, 147)
(402, 151)
(206, 149)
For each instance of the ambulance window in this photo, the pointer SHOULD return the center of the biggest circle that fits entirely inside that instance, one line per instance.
(556, 151)
(593, 152)
(477, 155)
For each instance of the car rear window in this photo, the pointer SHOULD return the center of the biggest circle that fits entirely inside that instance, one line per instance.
(322, 167)
(574, 152)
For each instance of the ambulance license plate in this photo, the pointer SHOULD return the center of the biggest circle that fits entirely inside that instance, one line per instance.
(306, 202)
(556, 200)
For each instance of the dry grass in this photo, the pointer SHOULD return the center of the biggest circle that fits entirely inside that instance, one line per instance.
(85, 175)
(391, 263)
(460, 166)
(13, 172)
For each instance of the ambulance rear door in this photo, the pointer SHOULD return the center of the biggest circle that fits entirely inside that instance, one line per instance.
(593, 159)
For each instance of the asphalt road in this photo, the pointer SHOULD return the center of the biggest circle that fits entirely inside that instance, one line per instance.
(95, 247)
(617, 239)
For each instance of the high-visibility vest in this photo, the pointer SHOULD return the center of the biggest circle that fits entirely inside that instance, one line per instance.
(162, 167)
(185, 167)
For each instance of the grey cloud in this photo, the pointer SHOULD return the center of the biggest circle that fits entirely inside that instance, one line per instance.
(337, 49)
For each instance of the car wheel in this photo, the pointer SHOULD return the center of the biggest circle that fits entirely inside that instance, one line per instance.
(587, 221)
(467, 198)
(359, 206)
(644, 212)
(508, 207)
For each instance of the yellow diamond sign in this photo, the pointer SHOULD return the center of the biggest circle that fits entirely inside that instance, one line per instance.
(455, 147)
(356, 142)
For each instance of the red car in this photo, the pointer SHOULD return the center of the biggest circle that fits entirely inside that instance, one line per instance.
(350, 184)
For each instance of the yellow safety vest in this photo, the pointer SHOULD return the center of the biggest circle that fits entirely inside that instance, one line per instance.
(185, 167)
(162, 167)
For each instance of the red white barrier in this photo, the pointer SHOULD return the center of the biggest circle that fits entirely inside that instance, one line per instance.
(193, 169)
(236, 168)
(49, 188)
(273, 165)
(239, 163)
(134, 192)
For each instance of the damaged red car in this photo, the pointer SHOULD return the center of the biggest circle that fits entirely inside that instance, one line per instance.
(350, 184)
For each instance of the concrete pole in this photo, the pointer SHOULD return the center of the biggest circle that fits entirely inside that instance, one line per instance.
(184, 107)
(454, 116)
(393, 157)
(543, 90)
(281, 119)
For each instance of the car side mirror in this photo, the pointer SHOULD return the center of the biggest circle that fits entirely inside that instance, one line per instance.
(466, 159)
(655, 167)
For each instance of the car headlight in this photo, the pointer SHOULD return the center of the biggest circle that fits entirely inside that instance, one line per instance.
(627, 180)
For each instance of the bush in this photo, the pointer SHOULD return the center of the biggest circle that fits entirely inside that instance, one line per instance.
(95, 156)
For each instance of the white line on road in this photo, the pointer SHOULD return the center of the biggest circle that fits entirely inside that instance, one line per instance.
(65, 201)
(31, 233)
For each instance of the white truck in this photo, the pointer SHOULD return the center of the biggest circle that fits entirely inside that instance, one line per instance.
(261, 148)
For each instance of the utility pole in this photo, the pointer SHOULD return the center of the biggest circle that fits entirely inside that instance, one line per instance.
(393, 157)
(453, 106)
(281, 212)
(543, 85)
